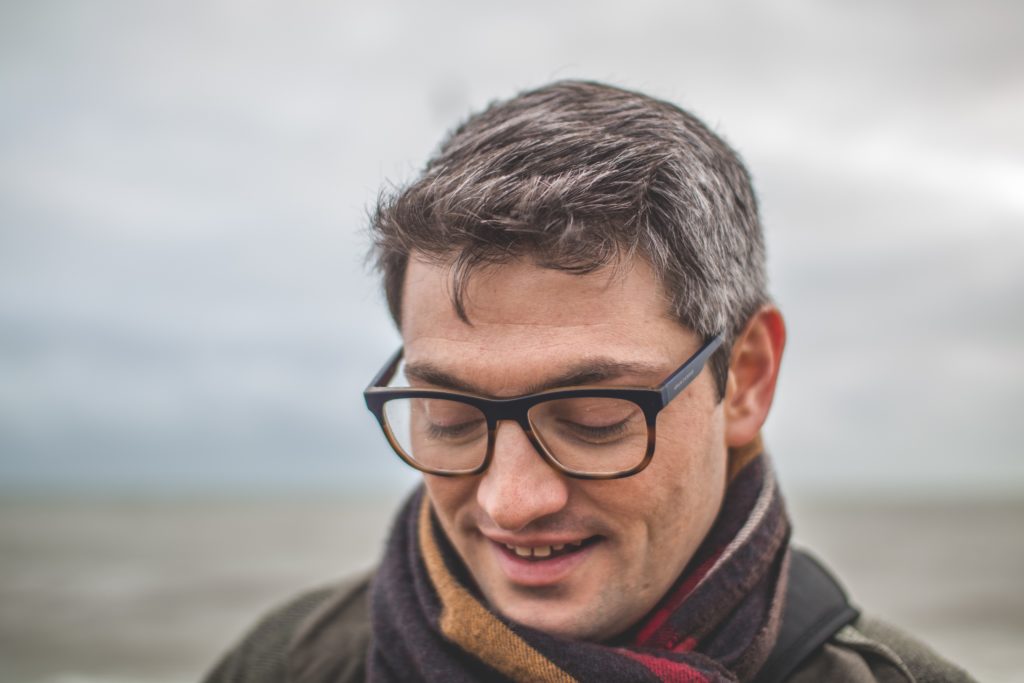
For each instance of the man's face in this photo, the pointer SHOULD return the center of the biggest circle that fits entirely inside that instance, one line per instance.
(529, 325)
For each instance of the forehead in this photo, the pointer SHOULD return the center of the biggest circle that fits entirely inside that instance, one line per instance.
(531, 318)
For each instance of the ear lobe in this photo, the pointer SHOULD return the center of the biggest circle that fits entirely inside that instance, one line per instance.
(753, 371)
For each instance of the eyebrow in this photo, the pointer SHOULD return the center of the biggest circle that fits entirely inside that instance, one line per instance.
(592, 371)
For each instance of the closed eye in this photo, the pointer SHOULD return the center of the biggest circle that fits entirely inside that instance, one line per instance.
(595, 433)
(453, 431)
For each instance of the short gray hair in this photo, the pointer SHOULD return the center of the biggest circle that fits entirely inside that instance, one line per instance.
(578, 176)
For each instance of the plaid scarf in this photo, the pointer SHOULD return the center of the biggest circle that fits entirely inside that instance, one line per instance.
(717, 623)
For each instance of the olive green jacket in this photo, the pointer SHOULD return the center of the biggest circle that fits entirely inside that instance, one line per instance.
(323, 636)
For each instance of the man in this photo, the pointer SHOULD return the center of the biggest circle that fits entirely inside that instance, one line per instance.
(589, 353)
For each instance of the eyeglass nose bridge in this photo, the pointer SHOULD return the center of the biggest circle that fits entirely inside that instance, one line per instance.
(518, 413)
(512, 409)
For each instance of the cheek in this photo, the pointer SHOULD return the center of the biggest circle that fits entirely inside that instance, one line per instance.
(689, 470)
(450, 497)
(691, 445)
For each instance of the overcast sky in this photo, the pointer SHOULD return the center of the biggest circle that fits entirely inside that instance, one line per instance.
(183, 190)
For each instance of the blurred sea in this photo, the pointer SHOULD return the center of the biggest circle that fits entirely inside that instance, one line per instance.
(153, 591)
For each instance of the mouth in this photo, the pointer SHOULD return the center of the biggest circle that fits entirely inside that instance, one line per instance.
(543, 565)
(545, 553)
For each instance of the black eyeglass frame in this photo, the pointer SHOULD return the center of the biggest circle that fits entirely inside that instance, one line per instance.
(651, 401)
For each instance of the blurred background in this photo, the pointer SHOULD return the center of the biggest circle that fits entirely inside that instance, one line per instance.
(187, 323)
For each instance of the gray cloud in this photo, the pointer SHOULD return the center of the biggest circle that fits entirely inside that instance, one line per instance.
(183, 302)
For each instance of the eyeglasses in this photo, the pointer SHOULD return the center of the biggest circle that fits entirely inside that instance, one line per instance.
(583, 432)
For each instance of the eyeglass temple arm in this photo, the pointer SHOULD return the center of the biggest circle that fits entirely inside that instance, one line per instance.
(388, 371)
(681, 378)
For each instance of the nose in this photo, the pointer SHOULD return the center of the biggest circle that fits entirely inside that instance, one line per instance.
(519, 486)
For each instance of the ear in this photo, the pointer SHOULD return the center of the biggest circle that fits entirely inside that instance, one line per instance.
(753, 371)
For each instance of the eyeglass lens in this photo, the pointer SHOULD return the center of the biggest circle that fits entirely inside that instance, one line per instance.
(592, 435)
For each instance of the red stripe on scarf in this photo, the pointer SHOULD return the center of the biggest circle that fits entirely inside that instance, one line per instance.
(685, 645)
(666, 670)
(662, 613)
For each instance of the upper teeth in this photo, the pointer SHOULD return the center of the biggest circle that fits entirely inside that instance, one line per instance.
(540, 550)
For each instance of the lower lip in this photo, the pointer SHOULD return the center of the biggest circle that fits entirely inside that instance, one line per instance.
(535, 573)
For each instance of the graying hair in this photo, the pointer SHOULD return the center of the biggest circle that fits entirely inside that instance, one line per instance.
(578, 176)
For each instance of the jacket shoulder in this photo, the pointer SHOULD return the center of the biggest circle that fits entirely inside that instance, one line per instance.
(283, 645)
(870, 651)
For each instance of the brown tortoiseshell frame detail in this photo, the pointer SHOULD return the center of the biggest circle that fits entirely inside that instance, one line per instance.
(516, 408)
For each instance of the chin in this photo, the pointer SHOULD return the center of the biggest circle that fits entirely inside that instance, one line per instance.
(557, 625)
(555, 619)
